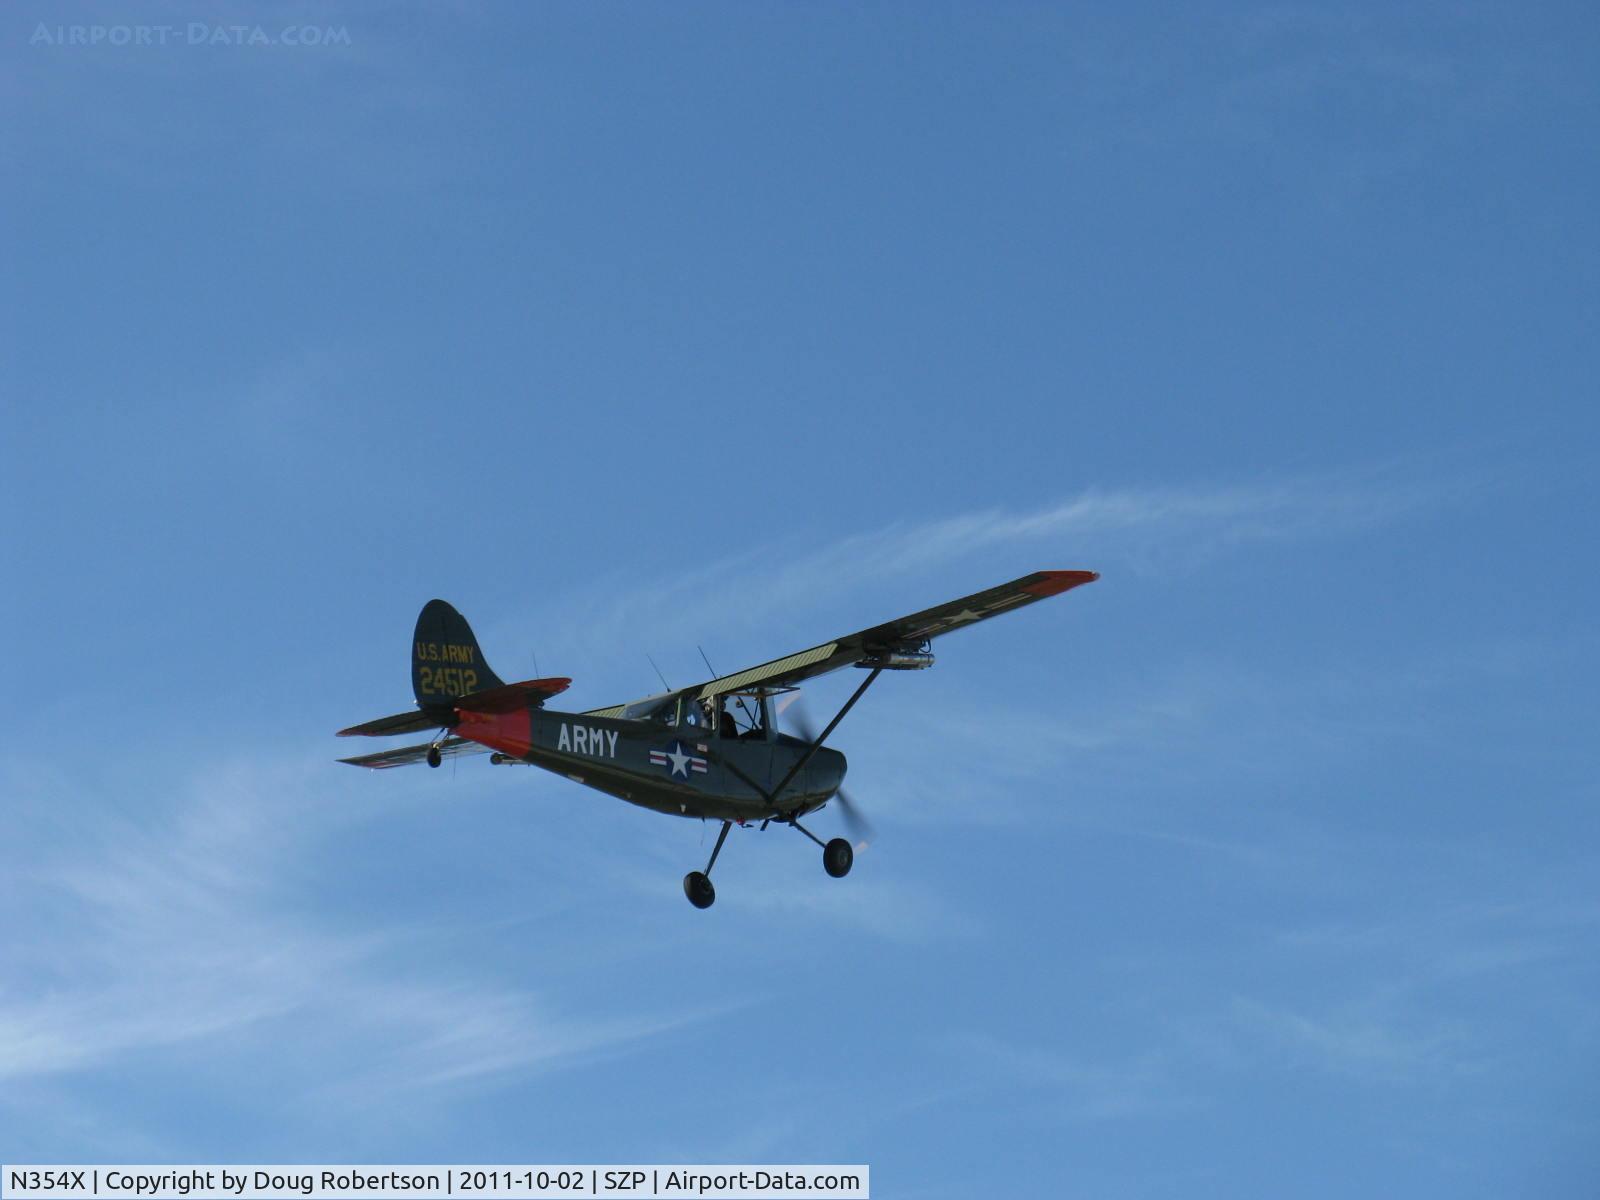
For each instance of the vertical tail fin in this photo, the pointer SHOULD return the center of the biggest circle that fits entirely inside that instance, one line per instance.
(446, 662)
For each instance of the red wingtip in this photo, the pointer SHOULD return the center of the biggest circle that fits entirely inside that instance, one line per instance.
(1053, 583)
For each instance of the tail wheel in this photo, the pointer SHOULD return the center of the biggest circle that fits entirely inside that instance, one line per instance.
(697, 886)
(434, 757)
(837, 858)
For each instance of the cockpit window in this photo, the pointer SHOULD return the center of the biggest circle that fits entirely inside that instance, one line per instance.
(732, 715)
(659, 710)
(743, 716)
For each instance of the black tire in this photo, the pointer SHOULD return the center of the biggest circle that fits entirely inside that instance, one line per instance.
(434, 757)
(837, 858)
(697, 886)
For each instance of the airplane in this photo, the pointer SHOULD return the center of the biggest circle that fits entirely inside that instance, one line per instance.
(709, 751)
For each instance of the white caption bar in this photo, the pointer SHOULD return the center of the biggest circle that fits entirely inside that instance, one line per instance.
(653, 1182)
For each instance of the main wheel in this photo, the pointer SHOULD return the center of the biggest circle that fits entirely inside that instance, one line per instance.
(837, 857)
(697, 886)
(434, 757)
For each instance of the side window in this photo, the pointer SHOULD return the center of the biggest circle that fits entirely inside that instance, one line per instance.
(727, 723)
(742, 716)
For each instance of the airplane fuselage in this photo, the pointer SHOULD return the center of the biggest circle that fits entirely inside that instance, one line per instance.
(683, 770)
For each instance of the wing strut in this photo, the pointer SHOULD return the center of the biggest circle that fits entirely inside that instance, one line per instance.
(816, 745)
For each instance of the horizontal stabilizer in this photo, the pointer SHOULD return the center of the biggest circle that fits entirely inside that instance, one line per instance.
(511, 696)
(408, 755)
(505, 698)
(408, 722)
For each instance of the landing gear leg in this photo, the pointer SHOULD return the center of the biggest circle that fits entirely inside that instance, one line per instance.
(697, 884)
(837, 856)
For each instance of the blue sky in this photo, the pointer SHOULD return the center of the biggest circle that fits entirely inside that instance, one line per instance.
(1264, 866)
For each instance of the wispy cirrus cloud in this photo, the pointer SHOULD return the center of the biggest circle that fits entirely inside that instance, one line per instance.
(1397, 1045)
(1405, 1005)
(1152, 531)
(184, 928)
(1071, 1089)
(895, 910)
(1131, 753)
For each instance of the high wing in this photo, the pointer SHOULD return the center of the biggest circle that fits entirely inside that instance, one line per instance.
(405, 756)
(890, 637)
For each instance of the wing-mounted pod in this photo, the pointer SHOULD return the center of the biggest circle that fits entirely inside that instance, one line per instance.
(899, 656)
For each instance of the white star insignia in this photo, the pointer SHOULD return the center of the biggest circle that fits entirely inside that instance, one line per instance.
(680, 760)
(966, 614)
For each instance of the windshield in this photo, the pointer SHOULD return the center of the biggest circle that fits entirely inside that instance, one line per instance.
(662, 710)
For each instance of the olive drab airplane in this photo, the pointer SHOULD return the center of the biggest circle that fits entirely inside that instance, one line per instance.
(713, 750)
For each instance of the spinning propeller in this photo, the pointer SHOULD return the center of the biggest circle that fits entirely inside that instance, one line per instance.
(861, 831)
